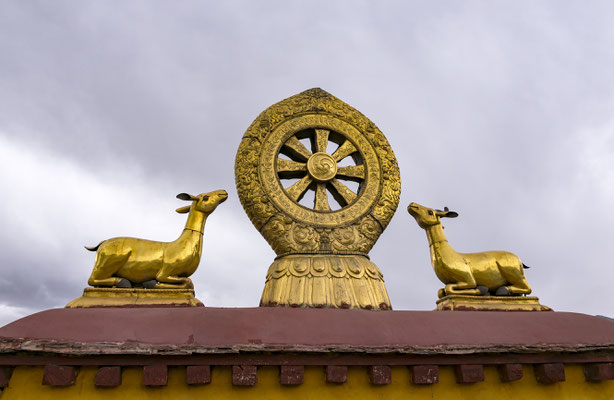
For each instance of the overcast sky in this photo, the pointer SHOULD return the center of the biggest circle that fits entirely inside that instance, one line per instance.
(502, 111)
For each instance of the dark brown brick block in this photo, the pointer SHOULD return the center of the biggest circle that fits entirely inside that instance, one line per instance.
(244, 375)
(59, 375)
(336, 374)
(198, 374)
(5, 376)
(549, 373)
(510, 372)
(380, 375)
(108, 377)
(155, 375)
(469, 373)
(425, 374)
(599, 372)
(291, 374)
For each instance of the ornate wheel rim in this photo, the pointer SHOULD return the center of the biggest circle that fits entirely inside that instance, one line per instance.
(285, 157)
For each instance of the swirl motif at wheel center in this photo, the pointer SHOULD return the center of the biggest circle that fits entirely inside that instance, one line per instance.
(318, 171)
(322, 167)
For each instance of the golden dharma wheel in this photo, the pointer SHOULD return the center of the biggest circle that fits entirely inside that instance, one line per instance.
(320, 182)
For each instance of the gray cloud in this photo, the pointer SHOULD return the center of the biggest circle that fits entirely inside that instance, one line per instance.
(501, 112)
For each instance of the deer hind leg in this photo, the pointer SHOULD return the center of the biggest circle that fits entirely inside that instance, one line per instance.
(515, 276)
(104, 269)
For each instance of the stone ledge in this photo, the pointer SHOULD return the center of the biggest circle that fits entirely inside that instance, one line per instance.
(116, 297)
(490, 303)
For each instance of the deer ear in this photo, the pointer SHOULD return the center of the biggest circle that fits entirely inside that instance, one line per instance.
(451, 214)
(183, 210)
(184, 196)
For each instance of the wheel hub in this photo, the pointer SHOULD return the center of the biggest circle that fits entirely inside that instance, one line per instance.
(321, 167)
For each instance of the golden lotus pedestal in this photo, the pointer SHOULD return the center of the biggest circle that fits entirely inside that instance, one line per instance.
(490, 303)
(325, 280)
(115, 297)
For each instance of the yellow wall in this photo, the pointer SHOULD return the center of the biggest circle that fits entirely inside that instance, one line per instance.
(26, 384)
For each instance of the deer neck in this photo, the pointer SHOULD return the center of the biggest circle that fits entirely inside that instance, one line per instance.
(435, 235)
(196, 221)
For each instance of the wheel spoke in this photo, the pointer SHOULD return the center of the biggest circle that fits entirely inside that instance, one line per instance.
(344, 150)
(321, 203)
(321, 140)
(290, 169)
(297, 191)
(297, 149)
(356, 172)
(342, 194)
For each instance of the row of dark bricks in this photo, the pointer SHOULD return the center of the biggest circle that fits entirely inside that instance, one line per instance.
(245, 375)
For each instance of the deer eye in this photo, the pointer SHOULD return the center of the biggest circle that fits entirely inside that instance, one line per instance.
(430, 212)
(205, 198)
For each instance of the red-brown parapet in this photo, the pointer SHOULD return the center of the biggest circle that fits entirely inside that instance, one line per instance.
(207, 330)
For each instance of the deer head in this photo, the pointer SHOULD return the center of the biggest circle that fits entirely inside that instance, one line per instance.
(204, 202)
(426, 217)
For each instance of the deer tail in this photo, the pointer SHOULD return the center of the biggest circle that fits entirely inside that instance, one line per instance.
(525, 266)
(94, 248)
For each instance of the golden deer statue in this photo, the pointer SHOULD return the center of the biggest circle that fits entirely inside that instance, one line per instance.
(500, 272)
(123, 261)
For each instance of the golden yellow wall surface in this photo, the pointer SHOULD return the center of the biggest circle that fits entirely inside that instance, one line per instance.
(26, 384)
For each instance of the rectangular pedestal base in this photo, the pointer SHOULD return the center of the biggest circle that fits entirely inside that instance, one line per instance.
(490, 303)
(115, 297)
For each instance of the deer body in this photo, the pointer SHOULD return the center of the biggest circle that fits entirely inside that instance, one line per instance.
(168, 263)
(462, 273)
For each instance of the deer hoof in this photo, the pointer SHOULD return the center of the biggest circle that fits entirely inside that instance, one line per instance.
(151, 284)
(441, 293)
(483, 290)
(503, 291)
(123, 284)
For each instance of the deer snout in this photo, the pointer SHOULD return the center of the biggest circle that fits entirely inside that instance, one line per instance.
(413, 208)
(223, 195)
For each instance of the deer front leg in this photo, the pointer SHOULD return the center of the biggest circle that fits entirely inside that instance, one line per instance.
(466, 288)
(521, 287)
(173, 282)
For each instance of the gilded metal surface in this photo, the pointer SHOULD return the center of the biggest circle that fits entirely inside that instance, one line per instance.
(497, 272)
(490, 303)
(315, 176)
(113, 297)
(125, 261)
(325, 280)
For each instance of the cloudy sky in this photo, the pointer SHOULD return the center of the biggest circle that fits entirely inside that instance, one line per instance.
(503, 111)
